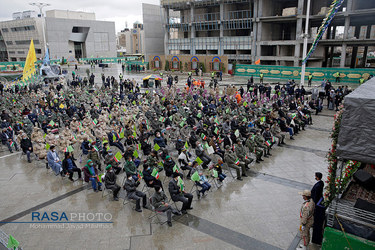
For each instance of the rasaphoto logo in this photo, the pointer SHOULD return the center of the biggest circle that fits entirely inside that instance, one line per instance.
(64, 217)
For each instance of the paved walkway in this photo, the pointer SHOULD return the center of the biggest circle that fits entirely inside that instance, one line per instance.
(262, 212)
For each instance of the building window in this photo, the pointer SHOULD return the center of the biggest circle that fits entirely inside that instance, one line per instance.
(23, 59)
(26, 42)
(13, 59)
(194, 65)
(20, 52)
(11, 52)
(38, 51)
(4, 30)
(157, 64)
(9, 42)
(216, 66)
(23, 28)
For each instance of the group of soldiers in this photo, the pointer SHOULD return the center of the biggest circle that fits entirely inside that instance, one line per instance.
(210, 128)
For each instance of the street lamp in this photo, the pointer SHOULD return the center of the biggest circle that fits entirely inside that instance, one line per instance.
(305, 44)
(41, 6)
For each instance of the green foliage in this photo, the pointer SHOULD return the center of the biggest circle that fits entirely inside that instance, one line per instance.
(166, 68)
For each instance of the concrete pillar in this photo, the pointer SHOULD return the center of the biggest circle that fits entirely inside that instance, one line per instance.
(254, 32)
(192, 31)
(331, 57)
(221, 48)
(166, 31)
(221, 19)
(343, 48)
(343, 55)
(259, 30)
(297, 47)
(355, 48)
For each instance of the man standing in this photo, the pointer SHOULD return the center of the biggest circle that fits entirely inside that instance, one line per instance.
(306, 218)
(319, 213)
(317, 190)
(261, 75)
(310, 79)
(179, 195)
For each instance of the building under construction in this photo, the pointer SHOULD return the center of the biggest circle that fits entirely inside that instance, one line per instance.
(270, 30)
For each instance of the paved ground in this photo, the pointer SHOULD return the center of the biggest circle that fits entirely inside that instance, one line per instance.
(262, 212)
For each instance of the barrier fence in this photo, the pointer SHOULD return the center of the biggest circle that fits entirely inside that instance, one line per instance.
(285, 73)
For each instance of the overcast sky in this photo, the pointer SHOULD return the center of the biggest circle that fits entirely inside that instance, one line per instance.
(118, 11)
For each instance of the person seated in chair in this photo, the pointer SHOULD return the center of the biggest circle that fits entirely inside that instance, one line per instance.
(69, 166)
(132, 193)
(54, 161)
(27, 146)
(203, 181)
(91, 174)
(179, 195)
(169, 165)
(150, 180)
(160, 202)
(184, 161)
(110, 182)
(110, 160)
(85, 146)
(130, 168)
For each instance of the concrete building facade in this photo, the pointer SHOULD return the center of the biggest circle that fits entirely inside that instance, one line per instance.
(68, 34)
(153, 30)
(269, 30)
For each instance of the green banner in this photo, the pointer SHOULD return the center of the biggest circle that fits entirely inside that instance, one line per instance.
(285, 72)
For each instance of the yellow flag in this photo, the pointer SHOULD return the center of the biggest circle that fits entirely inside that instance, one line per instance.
(29, 68)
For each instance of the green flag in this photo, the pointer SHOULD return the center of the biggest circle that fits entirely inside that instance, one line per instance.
(182, 124)
(51, 123)
(171, 117)
(215, 173)
(155, 173)
(122, 135)
(176, 169)
(135, 154)
(227, 110)
(216, 131)
(186, 145)
(199, 160)
(118, 156)
(205, 146)
(195, 176)
(12, 242)
(70, 149)
(245, 104)
(199, 115)
(47, 146)
(156, 147)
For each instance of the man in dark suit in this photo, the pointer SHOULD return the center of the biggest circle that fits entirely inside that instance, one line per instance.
(317, 190)
(179, 195)
(319, 212)
(114, 140)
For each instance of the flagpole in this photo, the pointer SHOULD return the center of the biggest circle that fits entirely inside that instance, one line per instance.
(305, 44)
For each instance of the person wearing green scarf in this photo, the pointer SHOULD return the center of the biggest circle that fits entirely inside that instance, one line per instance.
(91, 174)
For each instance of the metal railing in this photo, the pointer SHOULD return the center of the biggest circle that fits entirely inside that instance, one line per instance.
(346, 211)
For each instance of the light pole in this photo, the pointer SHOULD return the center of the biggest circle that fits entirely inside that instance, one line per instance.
(41, 6)
(305, 44)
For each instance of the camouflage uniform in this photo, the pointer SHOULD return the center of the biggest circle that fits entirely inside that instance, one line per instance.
(230, 158)
(307, 219)
(242, 154)
(251, 144)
